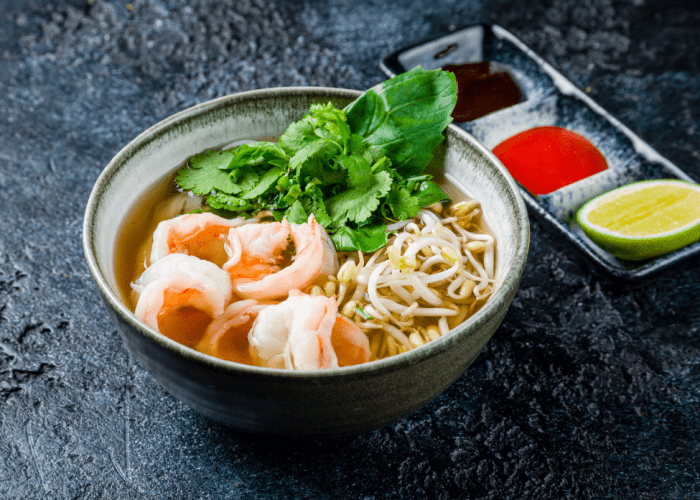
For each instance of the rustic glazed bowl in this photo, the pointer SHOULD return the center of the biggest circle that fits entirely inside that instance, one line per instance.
(339, 401)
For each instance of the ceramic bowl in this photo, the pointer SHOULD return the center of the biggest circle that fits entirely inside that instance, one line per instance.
(339, 401)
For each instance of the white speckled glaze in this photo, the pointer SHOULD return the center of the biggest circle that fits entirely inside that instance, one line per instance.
(333, 402)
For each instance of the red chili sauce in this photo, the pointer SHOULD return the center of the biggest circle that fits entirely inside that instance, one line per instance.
(545, 159)
(483, 88)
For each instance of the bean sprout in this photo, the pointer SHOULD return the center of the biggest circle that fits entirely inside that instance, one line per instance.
(398, 225)
(436, 271)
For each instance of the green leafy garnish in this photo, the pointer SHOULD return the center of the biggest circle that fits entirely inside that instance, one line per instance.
(362, 313)
(367, 239)
(206, 173)
(404, 117)
(428, 193)
(358, 203)
(351, 168)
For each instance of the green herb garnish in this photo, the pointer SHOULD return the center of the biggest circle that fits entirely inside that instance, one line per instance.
(351, 168)
(362, 313)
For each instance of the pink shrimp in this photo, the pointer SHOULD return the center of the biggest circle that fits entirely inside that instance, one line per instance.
(179, 296)
(306, 333)
(257, 258)
(351, 346)
(227, 336)
(201, 235)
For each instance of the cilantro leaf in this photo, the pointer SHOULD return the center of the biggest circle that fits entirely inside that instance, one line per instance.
(297, 214)
(258, 153)
(402, 204)
(358, 204)
(356, 145)
(223, 201)
(330, 123)
(314, 156)
(296, 136)
(247, 180)
(313, 203)
(359, 170)
(266, 182)
(205, 173)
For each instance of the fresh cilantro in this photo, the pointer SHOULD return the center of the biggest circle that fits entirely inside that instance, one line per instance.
(359, 203)
(403, 205)
(313, 203)
(223, 201)
(297, 135)
(359, 171)
(204, 173)
(330, 124)
(246, 179)
(258, 153)
(266, 182)
(314, 156)
(297, 214)
(348, 167)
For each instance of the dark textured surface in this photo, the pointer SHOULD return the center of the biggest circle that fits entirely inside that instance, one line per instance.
(588, 390)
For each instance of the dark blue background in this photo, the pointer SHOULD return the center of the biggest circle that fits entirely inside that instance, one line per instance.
(588, 390)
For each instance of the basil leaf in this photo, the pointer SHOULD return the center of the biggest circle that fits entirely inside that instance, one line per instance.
(428, 193)
(367, 239)
(404, 117)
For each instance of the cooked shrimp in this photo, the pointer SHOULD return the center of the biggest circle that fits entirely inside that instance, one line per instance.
(257, 258)
(306, 333)
(227, 336)
(180, 294)
(351, 346)
(257, 250)
(201, 235)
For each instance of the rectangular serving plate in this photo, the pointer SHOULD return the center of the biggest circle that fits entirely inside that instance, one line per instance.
(551, 99)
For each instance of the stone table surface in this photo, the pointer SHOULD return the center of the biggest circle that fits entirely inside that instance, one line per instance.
(589, 389)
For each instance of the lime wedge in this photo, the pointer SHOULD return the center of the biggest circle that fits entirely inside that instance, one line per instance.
(644, 219)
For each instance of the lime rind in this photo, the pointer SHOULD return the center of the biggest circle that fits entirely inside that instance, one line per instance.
(638, 247)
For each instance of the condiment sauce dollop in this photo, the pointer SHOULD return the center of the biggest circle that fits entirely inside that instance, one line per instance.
(482, 88)
(544, 159)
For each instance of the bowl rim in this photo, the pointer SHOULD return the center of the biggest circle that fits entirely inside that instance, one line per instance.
(392, 363)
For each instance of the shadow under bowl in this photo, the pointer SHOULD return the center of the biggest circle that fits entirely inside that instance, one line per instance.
(334, 402)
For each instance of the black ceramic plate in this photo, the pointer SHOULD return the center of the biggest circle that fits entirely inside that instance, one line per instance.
(551, 99)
